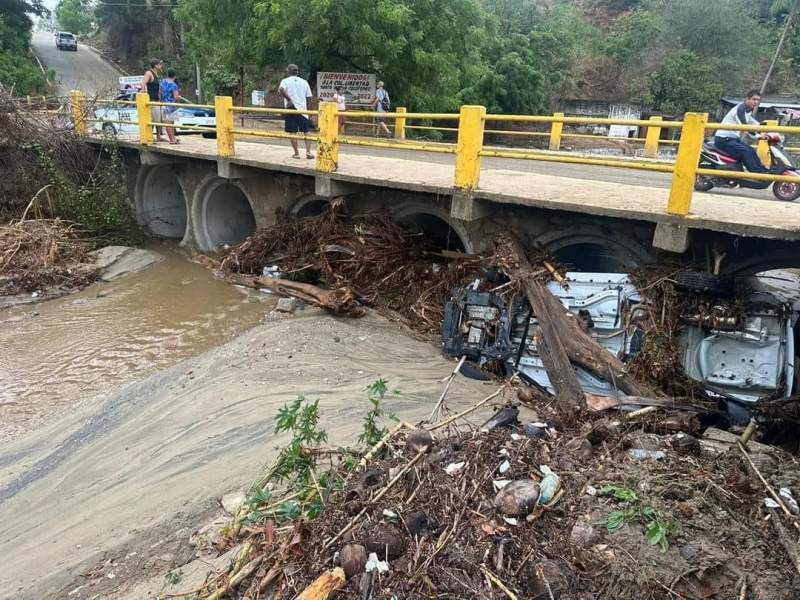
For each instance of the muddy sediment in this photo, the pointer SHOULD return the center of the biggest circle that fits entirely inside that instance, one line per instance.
(179, 439)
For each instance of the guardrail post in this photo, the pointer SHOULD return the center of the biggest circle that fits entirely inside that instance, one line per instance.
(468, 149)
(555, 131)
(400, 124)
(77, 104)
(223, 109)
(652, 137)
(763, 147)
(692, 135)
(328, 140)
(144, 118)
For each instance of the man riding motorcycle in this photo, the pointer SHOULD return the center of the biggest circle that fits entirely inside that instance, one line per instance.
(729, 142)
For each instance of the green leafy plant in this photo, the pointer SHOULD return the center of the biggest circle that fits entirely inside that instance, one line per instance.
(657, 529)
(301, 419)
(174, 577)
(373, 429)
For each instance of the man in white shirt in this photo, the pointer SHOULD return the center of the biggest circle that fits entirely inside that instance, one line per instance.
(730, 142)
(295, 92)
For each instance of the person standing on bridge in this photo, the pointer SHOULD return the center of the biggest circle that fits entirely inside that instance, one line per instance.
(296, 92)
(170, 92)
(382, 104)
(731, 143)
(341, 106)
(152, 85)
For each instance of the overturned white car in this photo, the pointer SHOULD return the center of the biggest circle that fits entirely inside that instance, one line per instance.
(738, 355)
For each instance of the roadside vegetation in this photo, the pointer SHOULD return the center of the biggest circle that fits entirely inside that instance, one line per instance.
(19, 71)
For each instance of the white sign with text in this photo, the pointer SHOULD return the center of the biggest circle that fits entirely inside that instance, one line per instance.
(358, 88)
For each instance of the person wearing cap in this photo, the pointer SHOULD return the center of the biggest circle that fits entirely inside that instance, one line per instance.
(296, 92)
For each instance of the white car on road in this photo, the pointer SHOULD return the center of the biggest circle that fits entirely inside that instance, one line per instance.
(117, 117)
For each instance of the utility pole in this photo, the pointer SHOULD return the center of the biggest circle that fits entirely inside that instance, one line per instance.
(199, 90)
(789, 22)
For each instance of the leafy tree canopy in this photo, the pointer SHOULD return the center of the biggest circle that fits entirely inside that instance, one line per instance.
(74, 16)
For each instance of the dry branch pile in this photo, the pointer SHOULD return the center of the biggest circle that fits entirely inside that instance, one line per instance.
(385, 266)
(688, 526)
(39, 254)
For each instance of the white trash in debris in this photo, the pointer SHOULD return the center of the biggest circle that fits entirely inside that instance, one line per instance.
(591, 490)
(511, 520)
(373, 563)
(272, 272)
(789, 500)
(505, 466)
(454, 468)
(770, 503)
(499, 484)
(389, 513)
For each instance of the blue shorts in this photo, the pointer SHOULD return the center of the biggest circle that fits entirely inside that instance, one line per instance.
(296, 124)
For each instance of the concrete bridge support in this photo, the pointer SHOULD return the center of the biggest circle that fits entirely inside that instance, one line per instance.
(208, 204)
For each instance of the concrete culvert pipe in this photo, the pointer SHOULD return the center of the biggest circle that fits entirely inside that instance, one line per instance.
(436, 231)
(161, 208)
(227, 216)
(310, 207)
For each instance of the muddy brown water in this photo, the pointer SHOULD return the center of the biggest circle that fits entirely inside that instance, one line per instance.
(58, 353)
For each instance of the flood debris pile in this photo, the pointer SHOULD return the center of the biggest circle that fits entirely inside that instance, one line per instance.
(529, 506)
(43, 255)
(366, 260)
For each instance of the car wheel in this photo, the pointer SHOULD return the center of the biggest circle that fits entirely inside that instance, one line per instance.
(210, 135)
(705, 283)
(109, 129)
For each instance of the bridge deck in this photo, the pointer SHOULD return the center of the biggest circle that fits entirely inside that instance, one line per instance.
(512, 182)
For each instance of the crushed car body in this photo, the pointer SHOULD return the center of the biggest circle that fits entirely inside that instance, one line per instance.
(739, 355)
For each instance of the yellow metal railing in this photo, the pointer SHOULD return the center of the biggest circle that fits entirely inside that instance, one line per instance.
(470, 126)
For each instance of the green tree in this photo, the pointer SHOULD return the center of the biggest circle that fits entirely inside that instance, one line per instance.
(635, 34)
(724, 34)
(18, 71)
(510, 82)
(423, 49)
(222, 33)
(684, 83)
(75, 16)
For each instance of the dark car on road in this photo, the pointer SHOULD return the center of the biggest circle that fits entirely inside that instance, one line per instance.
(66, 41)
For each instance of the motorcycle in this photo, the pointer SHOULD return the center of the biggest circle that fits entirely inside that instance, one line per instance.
(713, 158)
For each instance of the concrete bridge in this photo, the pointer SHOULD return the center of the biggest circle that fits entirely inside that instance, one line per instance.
(209, 192)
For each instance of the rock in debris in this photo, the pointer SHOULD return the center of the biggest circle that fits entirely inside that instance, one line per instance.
(352, 558)
(579, 448)
(518, 498)
(683, 443)
(385, 542)
(418, 441)
(419, 524)
(644, 441)
(583, 535)
(601, 430)
(287, 305)
(549, 580)
(502, 418)
(231, 503)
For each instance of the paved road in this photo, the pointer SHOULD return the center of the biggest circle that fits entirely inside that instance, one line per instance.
(82, 70)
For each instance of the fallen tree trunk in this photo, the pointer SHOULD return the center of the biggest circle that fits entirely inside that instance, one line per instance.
(555, 321)
(341, 301)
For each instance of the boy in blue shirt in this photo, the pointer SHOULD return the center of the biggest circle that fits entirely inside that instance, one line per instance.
(170, 92)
